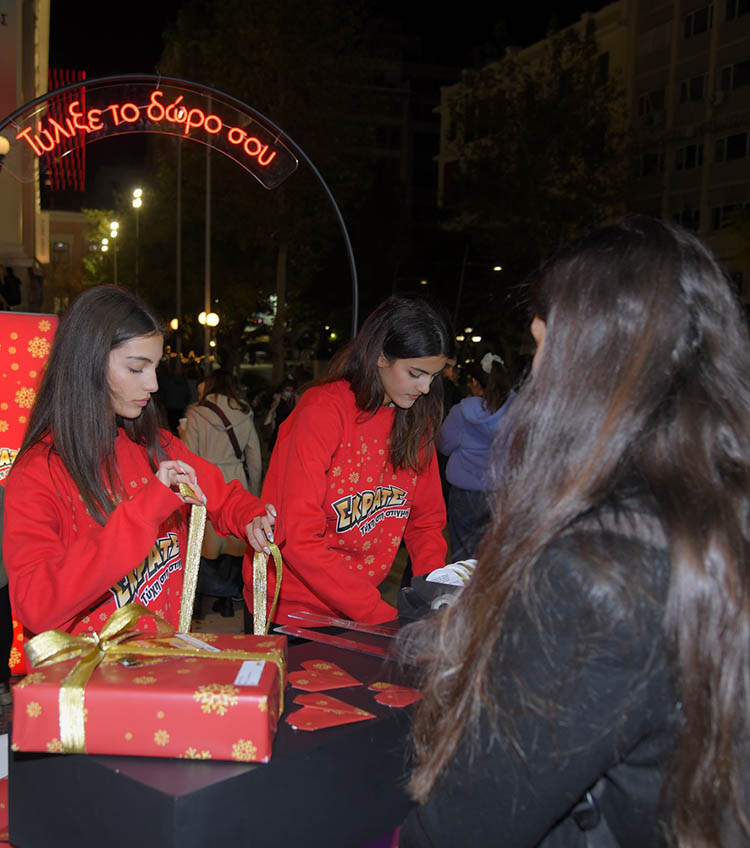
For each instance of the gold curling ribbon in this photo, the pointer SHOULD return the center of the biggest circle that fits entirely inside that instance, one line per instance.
(260, 589)
(113, 640)
(192, 559)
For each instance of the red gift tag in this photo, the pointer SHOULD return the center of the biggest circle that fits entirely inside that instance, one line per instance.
(319, 675)
(310, 718)
(392, 695)
(329, 704)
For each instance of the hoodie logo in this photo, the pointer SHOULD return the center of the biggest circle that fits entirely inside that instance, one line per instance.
(368, 508)
(145, 582)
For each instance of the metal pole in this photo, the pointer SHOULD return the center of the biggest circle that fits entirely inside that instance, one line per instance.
(207, 266)
(178, 258)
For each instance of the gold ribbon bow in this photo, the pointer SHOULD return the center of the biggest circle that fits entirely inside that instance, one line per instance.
(55, 646)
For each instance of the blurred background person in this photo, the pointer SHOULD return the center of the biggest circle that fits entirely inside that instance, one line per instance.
(220, 428)
(466, 438)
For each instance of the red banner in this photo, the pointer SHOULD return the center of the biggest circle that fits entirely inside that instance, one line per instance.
(25, 343)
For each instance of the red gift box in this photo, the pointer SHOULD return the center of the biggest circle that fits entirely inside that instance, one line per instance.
(194, 707)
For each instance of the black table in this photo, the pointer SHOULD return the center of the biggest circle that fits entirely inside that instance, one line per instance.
(337, 787)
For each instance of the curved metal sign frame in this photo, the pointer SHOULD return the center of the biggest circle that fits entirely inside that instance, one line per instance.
(50, 127)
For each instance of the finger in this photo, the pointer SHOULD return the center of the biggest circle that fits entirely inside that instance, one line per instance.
(266, 525)
(271, 510)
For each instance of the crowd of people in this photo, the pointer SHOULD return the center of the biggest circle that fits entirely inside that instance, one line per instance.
(591, 684)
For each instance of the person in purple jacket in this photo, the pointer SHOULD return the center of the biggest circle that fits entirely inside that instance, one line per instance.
(467, 437)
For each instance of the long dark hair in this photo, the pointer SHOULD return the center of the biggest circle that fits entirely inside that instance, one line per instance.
(644, 375)
(221, 382)
(400, 328)
(74, 407)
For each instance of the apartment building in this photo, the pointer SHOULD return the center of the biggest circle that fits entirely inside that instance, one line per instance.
(685, 69)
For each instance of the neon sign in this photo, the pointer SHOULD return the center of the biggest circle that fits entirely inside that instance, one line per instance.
(112, 110)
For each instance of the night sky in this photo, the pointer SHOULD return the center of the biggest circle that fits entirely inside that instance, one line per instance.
(83, 35)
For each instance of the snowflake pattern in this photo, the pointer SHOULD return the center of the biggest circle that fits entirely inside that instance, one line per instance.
(354, 477)
(54, 746)
(244, 750)
(15, 657)
(144, 680)
(369, 559)
(38, 347)
(44, 325)
(217, 697)
(25, 397)
(161, 737)
(263, 704)
(3, 426)
(33, 709)
(195, 754)
(336, 472)
(34, 677)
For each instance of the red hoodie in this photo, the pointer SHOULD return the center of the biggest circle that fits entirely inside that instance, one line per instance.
(69, 573)
(343, 509)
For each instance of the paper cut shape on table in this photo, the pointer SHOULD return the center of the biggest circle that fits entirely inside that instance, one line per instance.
(321, 711)
(319, 675)
(391, 695)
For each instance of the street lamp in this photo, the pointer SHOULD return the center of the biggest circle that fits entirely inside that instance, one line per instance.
(114, 227)
(208, 319)
(137, 203)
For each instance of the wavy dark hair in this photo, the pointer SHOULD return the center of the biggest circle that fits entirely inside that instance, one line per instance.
(74, 407)
(400, 328)
(221, 382)
(644, 375)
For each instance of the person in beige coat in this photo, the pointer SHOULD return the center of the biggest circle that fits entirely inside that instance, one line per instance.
(220, 428)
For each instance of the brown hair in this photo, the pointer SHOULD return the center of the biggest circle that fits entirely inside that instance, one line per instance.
(400, 328)
(74, 406)
(221, 382)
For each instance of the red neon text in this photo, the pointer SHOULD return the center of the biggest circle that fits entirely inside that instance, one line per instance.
(46, 138)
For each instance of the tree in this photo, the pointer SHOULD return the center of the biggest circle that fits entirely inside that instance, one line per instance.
(300, 65)
(541, 154)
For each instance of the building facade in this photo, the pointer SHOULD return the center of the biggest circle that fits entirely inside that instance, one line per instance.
(24, 234)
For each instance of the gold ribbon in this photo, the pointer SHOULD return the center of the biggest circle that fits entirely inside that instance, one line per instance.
(192, 559)
(260, 589)
(115, 639)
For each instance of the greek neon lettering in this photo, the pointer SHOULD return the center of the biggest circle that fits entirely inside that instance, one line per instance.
(253, 140)
(59, 130)
(39, 138)
(95, 123)
(153, 106)
(26, 136)
(76, 115)
(175, 115)
(113, 109)
(269, 159)
(130, 113)
(190, 123)
(236, 135)
(215, 121)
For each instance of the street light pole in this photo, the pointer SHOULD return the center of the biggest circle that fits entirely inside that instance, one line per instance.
(114, 228)
(137, 203)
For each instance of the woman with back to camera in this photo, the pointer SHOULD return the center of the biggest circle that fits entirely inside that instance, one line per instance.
(355, 467)
(467, 438)
(93, 516)
(591, 685)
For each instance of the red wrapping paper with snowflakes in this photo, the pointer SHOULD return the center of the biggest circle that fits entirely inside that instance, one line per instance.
(185, 707)
(25, 343)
